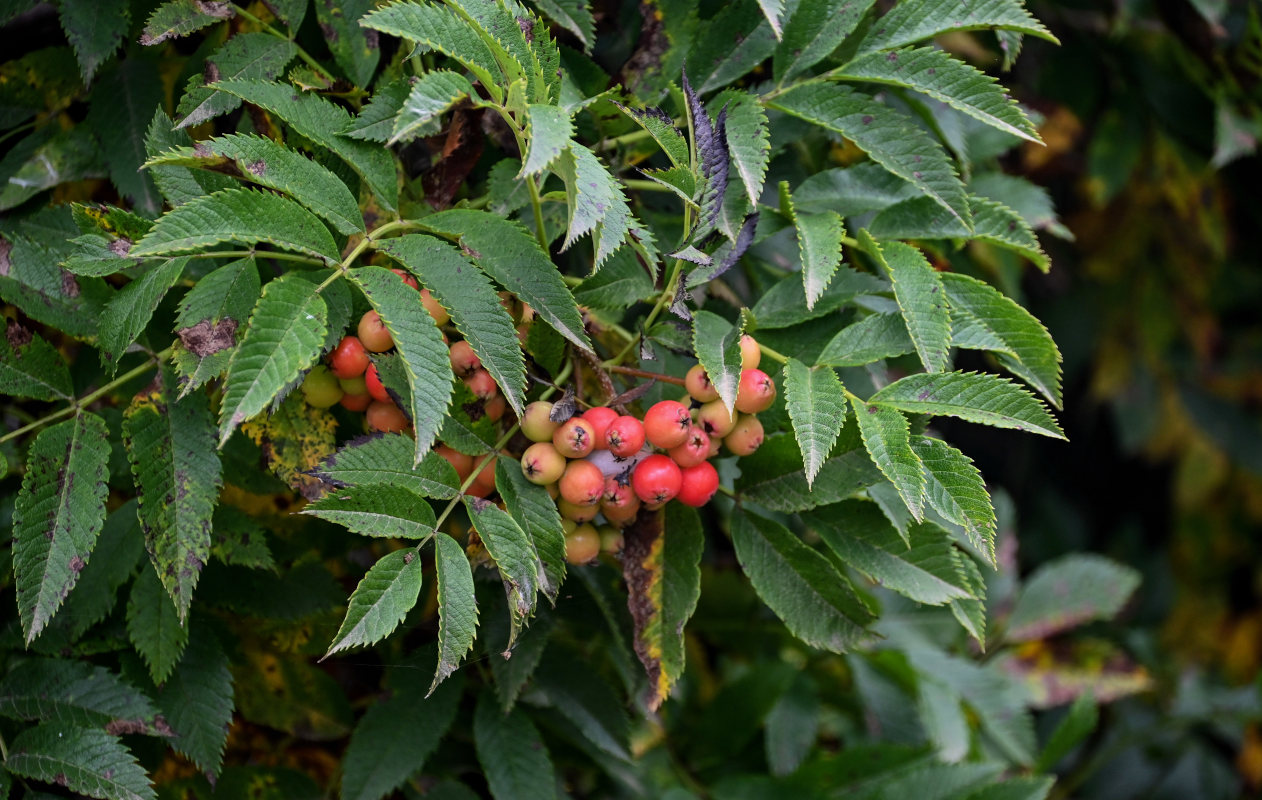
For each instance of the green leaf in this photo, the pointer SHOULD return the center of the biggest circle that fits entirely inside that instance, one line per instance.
(119, 109)
(912, 22)
(774, 476)
(84, 760)
(284, 338)
(460, 431)
(58, 514)
(211, 321)
(971, 396)
(866, 186)
(512, 668)
(729, 45)
(573, 15)
(246, 56)
(582, 696)
(421, 349)
(887, 436)
(457, 607)
(238, 215)
(434, 27)
(943, 77)
(748, 139)
(178, 184)
(512, 754)
(802, 587)
(918, 290)
(887, 136)
(75, 693)
(1068, 592)
(816, 403)
(537, 514)
(197, 701)
(154, 626)
(792, 726)
(1077, 724)
(381, 600)
(773, 10)
(1026, 787)
(322, 122)
(514, 555)
(596, 202)
(128, 312)
(955, 489)
(813, 32)
(31, 367)
(432, 94)
(171, 447)
(378, 509)
(31, 280)
(388, 746)
(375, 121)
(717, 344)
(514, 260)
(62, 157)
(352, 48)
(118, 551)
(178, 18)
(819, 244)
(262, 161)
(387, 459)
(548, 132)
(505, 29)
(924, 567)
(1032, 202)
(661, 563)
(621, 283)
(475, 307)
(290, 12)
(659, 125)
(996, 223)
(784, 304)
(872, 338)
(95, 29)
(970, 612)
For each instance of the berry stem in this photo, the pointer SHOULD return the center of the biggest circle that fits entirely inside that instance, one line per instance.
(772, 354)
(640, 373)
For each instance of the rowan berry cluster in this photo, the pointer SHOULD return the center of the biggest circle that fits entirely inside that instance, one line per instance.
(350, 378)
(606, 464)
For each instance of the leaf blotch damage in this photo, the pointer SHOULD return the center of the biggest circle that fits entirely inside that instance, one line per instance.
(640, 539)
(206, 338)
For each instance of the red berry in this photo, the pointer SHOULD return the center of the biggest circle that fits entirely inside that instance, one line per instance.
(756, 393)
(373, 333)
(746, 437)
(698, 484)
(356, 402)
(463, 360)
(694, 450)
(751, 355)
(481, 384)
(535, 423)
(575, 439)
(697, 382)
(461, 463)
(349, 359)
(656, 479)
(625, 436)
(495, 408)
(714, 419)
(600, 417)
(435, 309)
(666, 424)
(582, 545)
(375, 387)
(575, 512)
(582, 483)
(407, 277)
(386, 417)
(542, 464)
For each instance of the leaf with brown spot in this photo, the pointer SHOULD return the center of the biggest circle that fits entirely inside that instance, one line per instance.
(31, 367)
(295, 439)
(210, 318)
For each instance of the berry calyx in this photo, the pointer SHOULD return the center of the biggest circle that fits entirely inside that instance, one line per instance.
(600, 417)
(386, 417)
(582, 483)
(656, 479)
(756, 393)
(542, 464)
(373, 333)
(625, 436)
(666, 424)
(320, 388)
(694, 450)
(463, 360)
(698, 484)
(375, 387)
(349, 359)
(582, 545)
(575, 439)
(746, 436)
(751, 354)
(535, 424)
(714, 419)
(698, 384)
